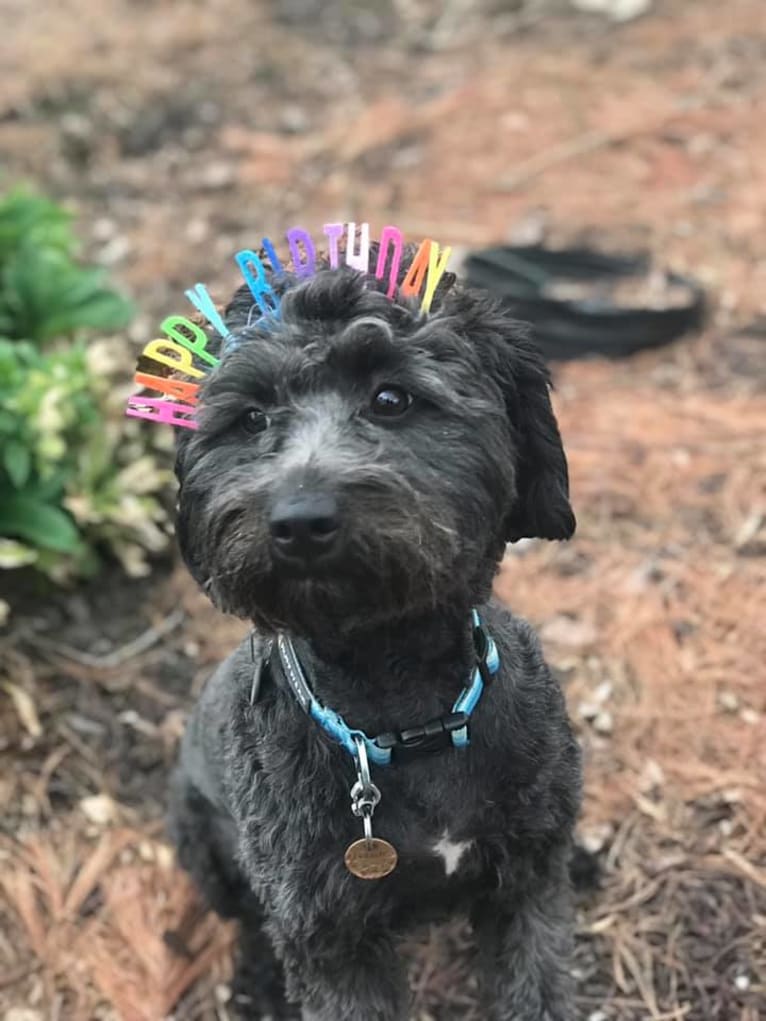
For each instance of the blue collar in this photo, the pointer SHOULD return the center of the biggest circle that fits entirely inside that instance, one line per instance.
(447, 731)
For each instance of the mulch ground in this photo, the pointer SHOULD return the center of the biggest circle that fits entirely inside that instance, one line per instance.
(181, 132)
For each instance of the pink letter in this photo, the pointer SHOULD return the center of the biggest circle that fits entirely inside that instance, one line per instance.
(163, 411)
(390, 235)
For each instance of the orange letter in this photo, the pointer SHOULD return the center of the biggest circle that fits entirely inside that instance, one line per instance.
(416, 274)
(186, 392)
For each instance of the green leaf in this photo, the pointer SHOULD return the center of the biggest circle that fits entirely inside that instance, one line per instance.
(63, 441)
(23, 516)
(50, 488)
(25, 217)
(17, 461)
(45, 295)
(99, 309)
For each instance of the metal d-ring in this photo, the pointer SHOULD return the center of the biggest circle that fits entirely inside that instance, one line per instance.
(367, 823)
(362, 762)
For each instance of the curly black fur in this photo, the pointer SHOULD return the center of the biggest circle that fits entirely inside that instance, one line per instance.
(260, 807)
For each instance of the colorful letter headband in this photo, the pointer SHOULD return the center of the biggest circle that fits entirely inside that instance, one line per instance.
(183, 339)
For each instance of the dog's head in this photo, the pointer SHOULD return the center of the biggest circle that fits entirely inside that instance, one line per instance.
(356, 460)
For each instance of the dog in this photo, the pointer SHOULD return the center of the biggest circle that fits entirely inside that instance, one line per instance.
(358, 470)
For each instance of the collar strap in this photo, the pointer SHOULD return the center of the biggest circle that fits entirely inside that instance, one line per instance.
(451, 730)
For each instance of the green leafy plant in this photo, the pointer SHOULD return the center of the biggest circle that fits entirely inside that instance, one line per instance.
(76, 477)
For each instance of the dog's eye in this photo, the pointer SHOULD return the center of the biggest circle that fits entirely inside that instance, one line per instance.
(390, 401)
(254, 421)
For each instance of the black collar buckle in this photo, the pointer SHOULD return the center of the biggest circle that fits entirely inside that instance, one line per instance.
(427, 739)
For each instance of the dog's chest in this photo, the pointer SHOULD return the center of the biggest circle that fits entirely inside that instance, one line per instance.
(451, 852)
(429, 816)
(426, 810)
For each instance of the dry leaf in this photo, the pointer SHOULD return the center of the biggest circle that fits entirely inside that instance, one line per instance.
(100, 809)
(25, 707)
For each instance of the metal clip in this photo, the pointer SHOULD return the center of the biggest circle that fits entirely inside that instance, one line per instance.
(364, 800)
(365, 796)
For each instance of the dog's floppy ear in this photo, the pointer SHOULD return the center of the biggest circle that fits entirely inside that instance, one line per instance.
(541, 509)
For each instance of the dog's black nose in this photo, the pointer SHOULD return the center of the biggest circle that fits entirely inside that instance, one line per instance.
(304, 526)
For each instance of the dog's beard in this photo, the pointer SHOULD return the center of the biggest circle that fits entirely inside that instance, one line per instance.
(383, 572)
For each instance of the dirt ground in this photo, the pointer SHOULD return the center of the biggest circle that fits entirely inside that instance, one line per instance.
(180, 131)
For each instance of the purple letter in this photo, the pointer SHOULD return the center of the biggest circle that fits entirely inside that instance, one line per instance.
(294, 239)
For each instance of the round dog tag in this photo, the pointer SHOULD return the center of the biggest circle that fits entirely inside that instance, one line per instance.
(371, 858)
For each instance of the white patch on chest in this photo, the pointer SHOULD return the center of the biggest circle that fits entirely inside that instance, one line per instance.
(451, 852)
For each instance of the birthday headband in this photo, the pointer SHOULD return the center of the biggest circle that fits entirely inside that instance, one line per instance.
(183, 339)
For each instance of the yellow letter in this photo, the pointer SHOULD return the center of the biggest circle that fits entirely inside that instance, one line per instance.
(183, 363)
(436, 268)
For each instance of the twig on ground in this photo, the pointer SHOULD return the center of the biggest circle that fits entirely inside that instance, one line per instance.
(142, 643)
(10, 978)
(582, 145)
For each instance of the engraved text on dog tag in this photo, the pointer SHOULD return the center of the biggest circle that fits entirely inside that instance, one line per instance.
(371, 858)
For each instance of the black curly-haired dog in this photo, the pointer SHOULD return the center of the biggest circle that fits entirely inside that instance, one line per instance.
(357, 472)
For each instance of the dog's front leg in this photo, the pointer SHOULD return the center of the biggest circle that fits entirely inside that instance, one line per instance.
(345, 977)
(525, 941)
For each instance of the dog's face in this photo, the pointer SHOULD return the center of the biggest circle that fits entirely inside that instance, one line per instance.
(356, 461)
